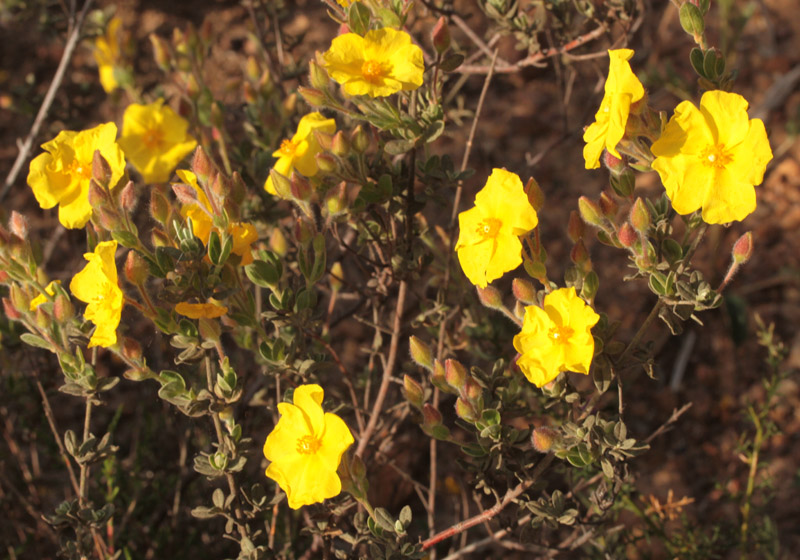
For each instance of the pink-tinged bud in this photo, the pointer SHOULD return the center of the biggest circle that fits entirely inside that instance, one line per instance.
(11, 311)
(420, 353)
(324, 139)
(18, 225)
(455, 374)
(336, 199)
(576, 228)
(608, 206)
(490, 297)
(160, 52)
(278, 243)
(340, 145)
(627, 235)
(326, 163)
(431, 416)
(300, 187)
(359, 140)
(128, 198)
(614, 164)
(159, 238)
(98, 196)
(524, 291)
(201, 165)
(743, 248)
(440, 36)
(304, 231)
(466, 411)
(185, 194)
(579, 255)
(590, 211)
(136, 268)
(544, 438)
(3, 276)
(63, 310)
(19, 297)
(640, 216)
(438, 377)
(159, 206)
(472, 391)
(42, 318)
(317, 76)
(101, 171)
(413, 391)
(535, 194)
(314, 97)
(131, 349)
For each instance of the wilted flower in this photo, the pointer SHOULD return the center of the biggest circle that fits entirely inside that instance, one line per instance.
(305, 448)
(622, 90)
(488, 242)
(155, 139)
(298, 153)
(557, 338)
(382, 62)
(62, 174)
(97, 285)
(712, 157)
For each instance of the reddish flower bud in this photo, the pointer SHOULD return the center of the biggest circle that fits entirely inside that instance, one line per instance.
(431, 416)
(614, 164)
(535, 194)
(304, 231)
(472, 391)
(743, 248)
(579, 255)
(101, 171)
(11, 311)
(326, 163)
(455, 374)
(63, 310)
(524, 291)
(420, 353)
(201, 165)
(576, 227)
(19, 297)
(608, 206)
(185, 194)
(413, 391)
(131, 349)
(490, 297)
(340, 145)
(136, 268)
(159, 206)
(301, 188)
(127, 198)
(640, 216)
(544, 438)
(18, 225)
(440, 36)
(627, 235)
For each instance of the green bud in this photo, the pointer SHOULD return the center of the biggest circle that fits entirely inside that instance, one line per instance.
(590, 211)
(440, 36)
(466, 411)
(524, 291)
(413, 391)
(438, 377)
(420, 353)
(490, 297)
(640, 216)
(455, 374)
(340, 145)
(359, 140)
(431, 417)
(317, 77)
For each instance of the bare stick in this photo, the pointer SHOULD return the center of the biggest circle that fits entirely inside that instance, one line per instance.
(48, 412)
(25, 149)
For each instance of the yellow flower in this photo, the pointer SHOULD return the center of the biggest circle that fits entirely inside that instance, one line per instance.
(298, 153)
(382, 62)
(97, 285)
(210, 310)
(488, 243)
(557, 338)
(155, 139)
(623, 89)
(305, 448)
(711, 157)
(107, 54)
(61, 175)
(41, 298)
(244, 234)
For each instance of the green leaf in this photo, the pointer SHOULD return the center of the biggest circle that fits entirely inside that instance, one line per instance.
(35, 340)
(126, 239)
(399, 147)
(262, 274)
(358, 18)
(710, 64)
(451, 62)
(696, 58)
(691, 19)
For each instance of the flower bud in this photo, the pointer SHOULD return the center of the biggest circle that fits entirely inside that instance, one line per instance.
(249, 93)
(131, 349)
(431, 416)
(136, 268)
(11, 311)
(535, 194)
(201, 165)
(340, 145)
(63, 310)
(317, 76)
(159, 206)
(743, 248)
(300, 187)
(524, 291)
(614, 164)
(543, 439)
(281, 183)
(472, 391)
(326, 163)
(359, 140)
(290, 104)
(127, 198)
(18, 225)
(438, 377)
(304, 231)
(413, 391)
(590, 211)
(19, 297)
(579, 255)
(336, 199)
(185, 194)
(466, 411)
(101, 171)
(420, 353)
(576, 227)
(43, 318)
(627, 235)
(455, 374)
(314, 97)
(278, 243)
(98, 196)
(160, 52)
(490, 297)
(640, 216)
(608, 206)
(336, 277)
(440, 36)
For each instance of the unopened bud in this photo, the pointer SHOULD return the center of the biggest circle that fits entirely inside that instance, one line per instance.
(300, 187)
(413, 392)
(304, 231)
(576, 228)
(312, 96)
(608, 206)
(326, 163)
(159, 206)
(63, 310)
(440, 36)
(743, 248)
(160, 52)
(101, 171)
(19, 298)
(472, 391)
(543, 439)
(185, 194)
(127, 198)
(201, 165)
(290, 104)
(590, 211)
(336, 277)
(524, 291)
(336, 199)
(466, 411)
(340, 145)
(431, 416)
(43, 318)
(136, 268)
(278, 243)
(438, 377)
(420, 353)
(11, 311)
(359, 140)
(455, 374)
(98, 196)
(640, 216)
(535, 194)
(317, 76)
(614, 164)
(324, 139)
(627, 235)
(18, 225)
(281, 184)
(490, 297)
(578, 254)
(131, 349)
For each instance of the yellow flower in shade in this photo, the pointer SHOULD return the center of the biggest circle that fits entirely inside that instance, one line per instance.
(712, 157)
(382, 62)
(244, 234)
(210, 310)
(41, 298)
(623, 89)
(155, 139)
(107, 54)
(298, 153)
(488, 242)
(557, 338)
(61, 175)
(97, 285)
(305, 448)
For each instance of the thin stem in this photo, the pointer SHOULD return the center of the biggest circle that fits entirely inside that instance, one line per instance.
(83, 490)
(751, 480)
(48, 412)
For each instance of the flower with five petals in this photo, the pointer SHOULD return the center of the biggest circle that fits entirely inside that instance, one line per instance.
(97, 285)
(298, 152)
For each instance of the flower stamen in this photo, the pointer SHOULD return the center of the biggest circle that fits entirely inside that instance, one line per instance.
(83, 171)
(372, 71)
(288, 148)
(153, 138)
(489, 228)
(715, 156)
(308, 445)
(560, 335)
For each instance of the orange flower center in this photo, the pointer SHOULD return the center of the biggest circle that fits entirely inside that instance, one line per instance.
(715, 156)
(560, 335)
(308, 445)
(489, 228)
(152, 138)
(371, 70)
(288, 148)
(82, 170)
